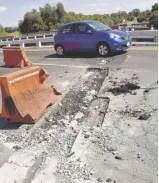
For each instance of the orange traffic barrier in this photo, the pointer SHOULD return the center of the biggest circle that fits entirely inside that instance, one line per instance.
(24, 95)
(15, 57)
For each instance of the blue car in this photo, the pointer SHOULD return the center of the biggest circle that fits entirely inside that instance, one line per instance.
(90, 36)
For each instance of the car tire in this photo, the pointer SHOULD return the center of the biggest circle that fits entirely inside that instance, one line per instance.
(103, 49)
(60, 50)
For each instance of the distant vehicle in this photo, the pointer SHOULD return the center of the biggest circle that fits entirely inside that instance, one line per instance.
(153, 24)
(90, 36)
(115, 26)
(119, 26)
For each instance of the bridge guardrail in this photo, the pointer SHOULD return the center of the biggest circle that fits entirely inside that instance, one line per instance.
(40, 40)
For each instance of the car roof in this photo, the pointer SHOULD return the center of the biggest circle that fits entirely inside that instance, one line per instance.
(83, 21)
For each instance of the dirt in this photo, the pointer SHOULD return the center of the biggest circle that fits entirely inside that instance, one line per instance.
(144, 116)
(126, 88)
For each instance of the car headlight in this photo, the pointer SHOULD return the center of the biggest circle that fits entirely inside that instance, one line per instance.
(114, 36)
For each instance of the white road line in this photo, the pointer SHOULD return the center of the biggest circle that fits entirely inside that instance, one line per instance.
(62, 65)
(128, 57)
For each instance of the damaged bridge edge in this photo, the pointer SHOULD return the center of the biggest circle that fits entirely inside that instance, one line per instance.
(50, 109)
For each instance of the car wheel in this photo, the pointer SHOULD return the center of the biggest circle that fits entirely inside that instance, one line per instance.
(60, 50)
(103, 49)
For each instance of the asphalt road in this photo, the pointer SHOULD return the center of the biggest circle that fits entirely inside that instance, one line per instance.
(64, 71)
(136, 141)
(137, 56)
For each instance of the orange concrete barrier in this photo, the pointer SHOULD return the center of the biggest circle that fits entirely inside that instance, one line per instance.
(15, 57)
(24, 95)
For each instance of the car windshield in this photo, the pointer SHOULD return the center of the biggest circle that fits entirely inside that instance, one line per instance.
(99, 26)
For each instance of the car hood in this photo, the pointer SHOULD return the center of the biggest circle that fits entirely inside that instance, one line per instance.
(118, 32)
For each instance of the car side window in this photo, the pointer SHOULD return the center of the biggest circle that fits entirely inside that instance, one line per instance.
(82, 29)
(68, 30)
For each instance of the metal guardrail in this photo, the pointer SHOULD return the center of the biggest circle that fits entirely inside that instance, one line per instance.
(38, 33)
(40, 40)
(30, 36)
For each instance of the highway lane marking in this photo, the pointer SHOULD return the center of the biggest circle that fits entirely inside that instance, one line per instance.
(87, 66)
(62, 65)
(59, 65)
(126, 60)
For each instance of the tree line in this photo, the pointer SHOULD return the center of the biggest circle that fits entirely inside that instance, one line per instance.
(49, 17)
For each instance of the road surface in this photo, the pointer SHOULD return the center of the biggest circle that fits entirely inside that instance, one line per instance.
(103, 130)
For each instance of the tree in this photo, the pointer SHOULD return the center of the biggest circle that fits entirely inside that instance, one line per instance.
(1, 28)
(153, 16)
(68, 18)
(11, 29)
(2, 31)
(142, 18)
(135, 12)
(148, 12)
(154, 7)
(60, 11)
(32, 22)
(52, 15)
(154, 12)
(130, 17)
(48, 14)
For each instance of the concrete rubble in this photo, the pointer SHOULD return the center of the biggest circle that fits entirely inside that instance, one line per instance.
(103, 130)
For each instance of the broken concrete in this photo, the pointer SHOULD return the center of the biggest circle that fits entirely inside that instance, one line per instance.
(92, 136)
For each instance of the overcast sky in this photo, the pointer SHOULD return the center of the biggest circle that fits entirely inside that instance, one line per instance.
(11, 11)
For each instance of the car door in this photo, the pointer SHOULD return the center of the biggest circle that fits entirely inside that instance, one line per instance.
(84, 36)
(68, 38)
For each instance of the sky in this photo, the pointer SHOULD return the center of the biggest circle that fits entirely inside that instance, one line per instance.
(11, 11)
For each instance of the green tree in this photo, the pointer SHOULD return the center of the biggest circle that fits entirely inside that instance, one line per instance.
(68, 18)
(60, 11)
(154, 12)
(142, 17)
(135, 12)
(2, 31)
(52, 15)
(130, 17)
(48, 15)
(32, 22)
(1, 28)
(154, 7)
(11, 29)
